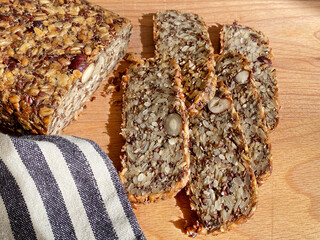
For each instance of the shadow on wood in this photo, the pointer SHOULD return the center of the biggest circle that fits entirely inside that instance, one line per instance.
(146, 35)
(214, 32)
(189, 216)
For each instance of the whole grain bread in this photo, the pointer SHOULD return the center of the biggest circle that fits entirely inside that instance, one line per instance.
(53, 56)
(155, 128)
(254, 45)
(235, 72)
(222, 187)
(184, 37)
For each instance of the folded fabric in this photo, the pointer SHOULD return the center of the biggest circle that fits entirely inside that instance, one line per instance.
(61, 187)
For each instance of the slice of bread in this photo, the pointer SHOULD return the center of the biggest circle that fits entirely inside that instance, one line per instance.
(184, 37)
(235, 72)
(254, 45)
(156, 155)
(222, 187)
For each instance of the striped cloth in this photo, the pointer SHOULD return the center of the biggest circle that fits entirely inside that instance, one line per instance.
(61, 187)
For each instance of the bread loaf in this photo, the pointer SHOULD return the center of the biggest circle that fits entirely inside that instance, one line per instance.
(54, 54)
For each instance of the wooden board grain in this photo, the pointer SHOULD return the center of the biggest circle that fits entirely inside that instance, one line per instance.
(289, 203)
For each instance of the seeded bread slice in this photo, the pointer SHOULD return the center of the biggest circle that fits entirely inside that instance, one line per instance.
(156, 155)
(222, 187)
(184, 37)
(53, 56)
(235, 72)
(254, 45)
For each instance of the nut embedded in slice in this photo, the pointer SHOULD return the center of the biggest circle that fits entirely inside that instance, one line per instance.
(79, 62)
(242, 77)
(218, 105)
(87, 73)
(173, 124)
(155, 128)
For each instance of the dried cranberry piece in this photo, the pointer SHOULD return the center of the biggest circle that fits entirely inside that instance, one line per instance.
(79, 63)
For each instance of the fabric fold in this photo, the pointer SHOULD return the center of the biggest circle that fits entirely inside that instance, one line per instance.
(61, 187)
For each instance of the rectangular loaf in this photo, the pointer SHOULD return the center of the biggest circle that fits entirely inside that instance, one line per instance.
(222, 187)
(184, 37)
(155, 128)
(254, 45)
(235, 72)
(54, 55)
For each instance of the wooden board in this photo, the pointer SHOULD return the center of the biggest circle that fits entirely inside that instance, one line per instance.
(289, 203)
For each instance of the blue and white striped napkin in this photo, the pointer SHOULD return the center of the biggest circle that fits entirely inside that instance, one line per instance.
(61, 187)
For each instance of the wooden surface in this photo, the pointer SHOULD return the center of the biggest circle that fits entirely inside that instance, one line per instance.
(289, 203)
